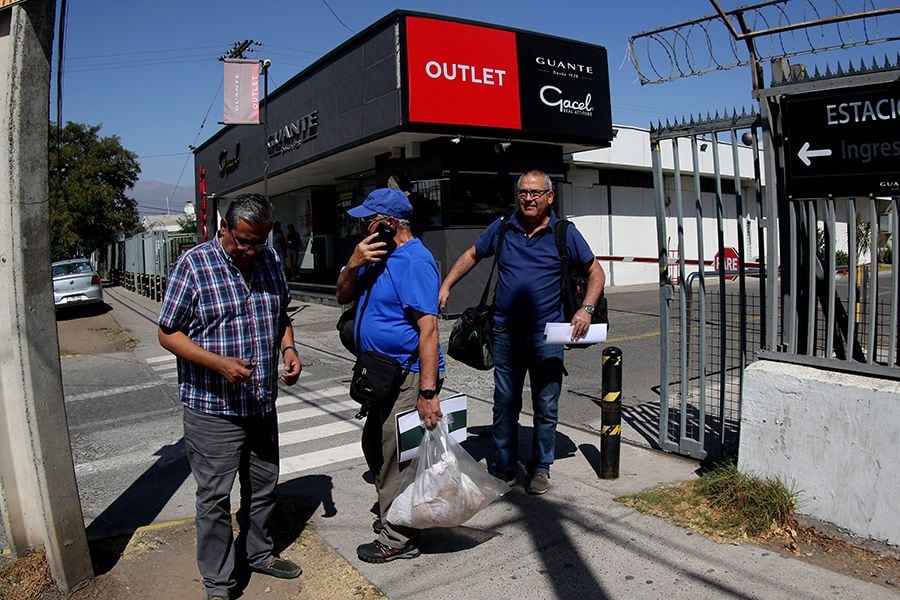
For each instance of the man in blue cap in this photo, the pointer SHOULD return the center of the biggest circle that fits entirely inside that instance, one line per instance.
(397, 317)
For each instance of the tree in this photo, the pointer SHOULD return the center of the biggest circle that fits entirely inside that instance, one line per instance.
(188, 223)
(88, 179)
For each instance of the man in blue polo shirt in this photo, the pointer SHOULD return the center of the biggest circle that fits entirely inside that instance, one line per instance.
(527, 297)
(397, 281)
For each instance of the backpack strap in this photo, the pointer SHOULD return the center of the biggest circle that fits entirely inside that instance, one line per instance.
(560, 232)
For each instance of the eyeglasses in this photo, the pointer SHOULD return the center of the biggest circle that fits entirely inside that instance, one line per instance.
(246, 244)
(533, 194)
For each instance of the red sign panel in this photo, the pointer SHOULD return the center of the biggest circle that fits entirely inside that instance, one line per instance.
(732, 262)
(460, 73)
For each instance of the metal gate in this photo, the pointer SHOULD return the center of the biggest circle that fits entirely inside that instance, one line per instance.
(790, 298)
(712, 316)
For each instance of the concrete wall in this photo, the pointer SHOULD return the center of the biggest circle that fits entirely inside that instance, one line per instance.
(833, 437)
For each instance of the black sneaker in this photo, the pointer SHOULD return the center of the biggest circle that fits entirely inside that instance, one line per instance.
(376, 552)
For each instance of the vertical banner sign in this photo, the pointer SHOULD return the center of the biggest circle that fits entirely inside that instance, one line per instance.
(241, 92)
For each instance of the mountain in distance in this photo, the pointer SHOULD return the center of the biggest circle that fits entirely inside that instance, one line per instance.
(151, 197)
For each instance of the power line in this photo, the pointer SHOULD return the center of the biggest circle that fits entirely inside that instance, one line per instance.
(337, 17)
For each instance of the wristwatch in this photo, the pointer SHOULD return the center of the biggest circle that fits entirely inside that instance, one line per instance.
(428, 394)
(588, 308)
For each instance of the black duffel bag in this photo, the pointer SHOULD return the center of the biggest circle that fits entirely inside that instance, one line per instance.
(472, 338)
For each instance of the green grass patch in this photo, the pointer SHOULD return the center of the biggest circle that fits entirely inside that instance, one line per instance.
(723, 504)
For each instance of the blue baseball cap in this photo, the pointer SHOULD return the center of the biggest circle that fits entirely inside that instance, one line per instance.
(383, 201)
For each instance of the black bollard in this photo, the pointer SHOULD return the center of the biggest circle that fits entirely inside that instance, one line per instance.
(611, 413)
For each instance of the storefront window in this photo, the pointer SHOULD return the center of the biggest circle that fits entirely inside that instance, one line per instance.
(427, 197)
(477, 200)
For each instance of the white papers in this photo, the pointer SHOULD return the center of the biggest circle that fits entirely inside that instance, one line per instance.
(410, 430)
(561, 333)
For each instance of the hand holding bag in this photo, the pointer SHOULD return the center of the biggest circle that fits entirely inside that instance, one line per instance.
(472, 338)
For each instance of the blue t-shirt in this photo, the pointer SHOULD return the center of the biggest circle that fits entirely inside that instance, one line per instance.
(409, 281)
(529, 274)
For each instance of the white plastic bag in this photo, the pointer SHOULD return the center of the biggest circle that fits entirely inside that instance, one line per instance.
(449, 486)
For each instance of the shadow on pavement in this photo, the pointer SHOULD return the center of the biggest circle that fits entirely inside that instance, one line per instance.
(79, 312)
(137, 506)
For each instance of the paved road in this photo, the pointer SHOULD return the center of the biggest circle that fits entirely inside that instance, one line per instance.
(575, 542)
(125, 419)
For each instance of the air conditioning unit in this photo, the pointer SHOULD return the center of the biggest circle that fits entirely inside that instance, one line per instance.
(414, 150)
(396, 152)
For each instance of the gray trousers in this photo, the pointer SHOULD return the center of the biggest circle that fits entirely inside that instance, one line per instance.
(379, 443)
(218, 448)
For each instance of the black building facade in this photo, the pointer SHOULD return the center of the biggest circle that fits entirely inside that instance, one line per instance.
(451, 111)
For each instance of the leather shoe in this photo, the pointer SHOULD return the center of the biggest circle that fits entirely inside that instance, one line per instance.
(280, 568)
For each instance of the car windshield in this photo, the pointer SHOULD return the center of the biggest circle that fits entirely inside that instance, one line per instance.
(76, 268)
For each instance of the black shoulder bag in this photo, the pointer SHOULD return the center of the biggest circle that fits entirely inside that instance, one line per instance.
(376, 377)
(472, 338)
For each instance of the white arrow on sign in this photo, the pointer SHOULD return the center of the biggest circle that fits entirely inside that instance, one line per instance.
(805, 153)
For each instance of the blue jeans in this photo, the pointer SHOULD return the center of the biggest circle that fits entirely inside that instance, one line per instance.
(514, 354)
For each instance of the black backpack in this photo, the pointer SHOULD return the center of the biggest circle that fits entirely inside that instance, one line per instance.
(574, 280)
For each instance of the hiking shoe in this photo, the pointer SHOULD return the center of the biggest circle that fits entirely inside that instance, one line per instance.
(377, 526)
(376, 552)
(538, 484)
(280, 568)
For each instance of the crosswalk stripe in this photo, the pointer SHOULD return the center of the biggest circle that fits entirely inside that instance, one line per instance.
(112, 391)
(316, 411)
(321, 458)
(316, 433)
(299, 397)
(159, 359)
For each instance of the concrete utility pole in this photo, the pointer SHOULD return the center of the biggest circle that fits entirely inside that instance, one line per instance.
(38, 494)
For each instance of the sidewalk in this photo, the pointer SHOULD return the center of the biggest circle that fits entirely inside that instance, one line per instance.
(573, 542)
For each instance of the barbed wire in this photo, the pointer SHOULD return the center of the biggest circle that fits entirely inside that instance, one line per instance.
(776, 28)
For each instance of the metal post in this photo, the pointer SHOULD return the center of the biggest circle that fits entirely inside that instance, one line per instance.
(611, 413)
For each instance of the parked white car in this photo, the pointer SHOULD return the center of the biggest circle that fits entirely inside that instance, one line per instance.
(75, 283)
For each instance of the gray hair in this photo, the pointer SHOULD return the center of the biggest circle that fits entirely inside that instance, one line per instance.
(548, 183)
(253, 208)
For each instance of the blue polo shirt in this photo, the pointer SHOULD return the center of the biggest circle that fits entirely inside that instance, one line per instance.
(529, 273)
(410, 281)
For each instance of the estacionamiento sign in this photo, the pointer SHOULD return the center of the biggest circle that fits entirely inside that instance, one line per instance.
(843, 142)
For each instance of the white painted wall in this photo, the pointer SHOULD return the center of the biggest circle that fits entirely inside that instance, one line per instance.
(626, 227)
(833, 437)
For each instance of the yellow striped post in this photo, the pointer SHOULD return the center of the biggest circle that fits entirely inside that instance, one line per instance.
(611, 413)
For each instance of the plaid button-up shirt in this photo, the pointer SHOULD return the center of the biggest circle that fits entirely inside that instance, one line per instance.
(209, 300)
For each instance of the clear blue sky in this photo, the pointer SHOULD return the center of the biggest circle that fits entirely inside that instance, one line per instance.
(148, 71)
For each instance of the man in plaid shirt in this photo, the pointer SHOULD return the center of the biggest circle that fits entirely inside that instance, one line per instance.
(224, 316)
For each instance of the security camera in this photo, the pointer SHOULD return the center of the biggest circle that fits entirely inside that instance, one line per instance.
(266, 63)
(502, 147)
(747, 138)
